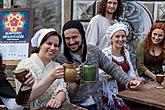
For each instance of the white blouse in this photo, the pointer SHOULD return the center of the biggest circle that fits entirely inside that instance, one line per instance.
(39, 71)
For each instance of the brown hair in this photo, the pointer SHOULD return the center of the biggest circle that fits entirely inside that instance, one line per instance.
(117, 13)
(156, 25)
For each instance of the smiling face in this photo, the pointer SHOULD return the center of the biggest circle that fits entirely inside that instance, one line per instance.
(49, 48)
(73, 39)
(111, 6)
(118, 39)
(157, 36)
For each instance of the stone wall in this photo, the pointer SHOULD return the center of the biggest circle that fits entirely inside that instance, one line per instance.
(47, 13)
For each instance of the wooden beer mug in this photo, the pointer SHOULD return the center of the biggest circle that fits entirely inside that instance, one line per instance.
(24, 92)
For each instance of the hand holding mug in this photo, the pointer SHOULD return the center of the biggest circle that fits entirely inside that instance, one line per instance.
(30, 80)
(20, 74)
(24, 76)
(78, 72)
(58, 72)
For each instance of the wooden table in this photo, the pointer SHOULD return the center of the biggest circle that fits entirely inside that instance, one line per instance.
(65, 106)
(147, 95)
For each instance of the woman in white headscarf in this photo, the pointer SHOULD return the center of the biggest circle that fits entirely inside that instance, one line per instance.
(49, 88)
(116, 51)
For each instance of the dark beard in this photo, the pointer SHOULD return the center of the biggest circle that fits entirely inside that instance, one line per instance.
(111, 13)
(79, 48)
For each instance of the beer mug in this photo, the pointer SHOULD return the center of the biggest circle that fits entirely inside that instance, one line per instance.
(24, 92)
(69, 72)
(2, 107)
(20, 74)
(89, 73)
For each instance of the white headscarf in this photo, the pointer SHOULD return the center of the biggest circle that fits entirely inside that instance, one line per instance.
(116, 27)
(39, 35)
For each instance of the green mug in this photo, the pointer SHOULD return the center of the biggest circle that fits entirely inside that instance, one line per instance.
(89, 73)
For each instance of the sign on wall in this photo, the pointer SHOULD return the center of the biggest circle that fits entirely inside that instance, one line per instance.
(15, 32)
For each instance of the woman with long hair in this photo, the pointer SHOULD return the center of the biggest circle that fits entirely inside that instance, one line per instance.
(150, 52)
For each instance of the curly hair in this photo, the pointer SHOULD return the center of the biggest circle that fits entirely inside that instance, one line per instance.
(156, 25)
(117, 13)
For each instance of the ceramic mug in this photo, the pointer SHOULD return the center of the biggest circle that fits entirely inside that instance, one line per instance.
(2, 107)
(20, 74)
(69, 72)
(89, 73)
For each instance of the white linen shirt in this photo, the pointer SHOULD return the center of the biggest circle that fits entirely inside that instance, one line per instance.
(96, 30)
(39, 71)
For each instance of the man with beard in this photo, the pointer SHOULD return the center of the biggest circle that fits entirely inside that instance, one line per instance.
(108, 14)
(88, 95)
